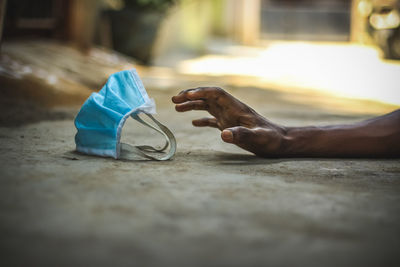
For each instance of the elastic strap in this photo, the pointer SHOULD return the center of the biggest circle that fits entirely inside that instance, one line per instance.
(156, 153)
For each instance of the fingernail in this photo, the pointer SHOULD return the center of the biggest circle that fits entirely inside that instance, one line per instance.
(227, 136)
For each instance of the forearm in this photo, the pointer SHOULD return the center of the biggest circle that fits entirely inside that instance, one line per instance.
(377, 137)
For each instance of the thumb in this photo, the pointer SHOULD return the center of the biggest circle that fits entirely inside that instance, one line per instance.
(237, 135)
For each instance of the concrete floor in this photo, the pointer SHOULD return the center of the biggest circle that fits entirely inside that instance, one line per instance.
(212, 205)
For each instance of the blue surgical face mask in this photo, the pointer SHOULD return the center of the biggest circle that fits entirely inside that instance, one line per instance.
(102, 116)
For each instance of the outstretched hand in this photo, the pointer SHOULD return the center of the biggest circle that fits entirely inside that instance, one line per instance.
(242, 126)
(239, 123)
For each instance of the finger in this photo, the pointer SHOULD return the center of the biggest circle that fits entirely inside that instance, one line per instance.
(200, 93)
(191, 105)
(182, 96)
(203, 122)
(237, 135)
(204, 93)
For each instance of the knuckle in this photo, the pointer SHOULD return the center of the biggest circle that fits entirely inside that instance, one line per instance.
(198, 89)
(198, 105)
(244, 134)
(187, 91)
(218, 90)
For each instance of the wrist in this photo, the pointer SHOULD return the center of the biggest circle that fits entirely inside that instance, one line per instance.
(301, 141)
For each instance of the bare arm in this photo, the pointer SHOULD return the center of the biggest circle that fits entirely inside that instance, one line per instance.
(376, 137)
(244, 127)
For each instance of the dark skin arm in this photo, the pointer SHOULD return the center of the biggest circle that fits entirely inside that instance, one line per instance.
(241, 125)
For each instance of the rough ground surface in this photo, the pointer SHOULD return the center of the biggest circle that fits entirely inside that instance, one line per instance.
(212, 205)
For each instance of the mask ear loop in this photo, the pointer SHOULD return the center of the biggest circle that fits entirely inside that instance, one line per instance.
(151, 148)
(169, 136)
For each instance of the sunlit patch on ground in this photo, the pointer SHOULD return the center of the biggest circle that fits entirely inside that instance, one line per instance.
(341, 69)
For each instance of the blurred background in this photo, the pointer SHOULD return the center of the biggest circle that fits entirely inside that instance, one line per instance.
(55, 52)
(297, 62)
